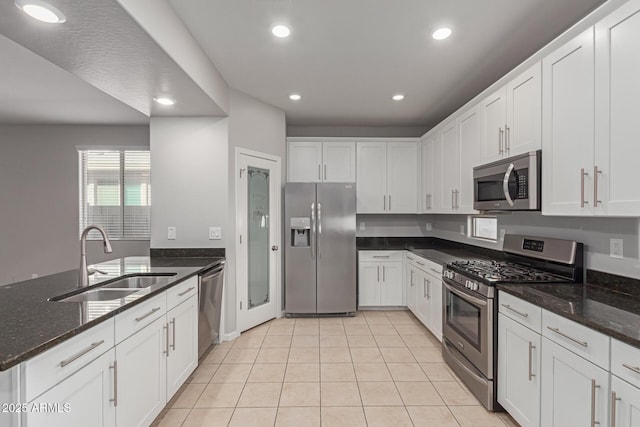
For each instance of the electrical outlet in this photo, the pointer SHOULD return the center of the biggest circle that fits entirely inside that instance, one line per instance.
(428, 226)
(616, 248)
(502, 233)
(462, 232)
(34, 276)
(215, 233)
(361, 225)
(171, 233)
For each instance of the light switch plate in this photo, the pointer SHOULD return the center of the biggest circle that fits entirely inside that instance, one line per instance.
(462, 232)
(171, 233)
(502, 233)
(362, 226)
(428, 226)
(215, 233)
(616, 248)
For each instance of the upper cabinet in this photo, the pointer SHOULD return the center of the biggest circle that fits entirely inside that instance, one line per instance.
(469, 137)
(450, 167)
(312, 161)
(387, 177)
(511, 122)
(431, 173)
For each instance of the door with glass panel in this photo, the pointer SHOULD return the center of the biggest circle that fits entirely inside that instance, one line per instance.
(258, 225)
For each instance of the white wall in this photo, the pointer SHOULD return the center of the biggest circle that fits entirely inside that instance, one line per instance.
(189, 169)
(260, 127)
(39, 197)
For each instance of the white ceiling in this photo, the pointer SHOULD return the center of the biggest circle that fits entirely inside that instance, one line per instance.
(348, 57)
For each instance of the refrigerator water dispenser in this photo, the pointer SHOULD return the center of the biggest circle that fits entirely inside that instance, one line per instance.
(300, 232)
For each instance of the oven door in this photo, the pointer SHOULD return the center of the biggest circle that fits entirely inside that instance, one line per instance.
(468, 325)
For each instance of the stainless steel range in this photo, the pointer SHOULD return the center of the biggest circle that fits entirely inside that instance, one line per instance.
(470, 333)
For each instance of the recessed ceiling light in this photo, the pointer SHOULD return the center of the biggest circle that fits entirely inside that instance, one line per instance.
(164, 101)
(441, 33)
(295, 97)
(281, 31)
(42, 11)
(398, 97)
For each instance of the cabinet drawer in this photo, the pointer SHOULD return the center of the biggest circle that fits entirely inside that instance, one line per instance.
(521, 311)
(136, 318)
(182, 292)
(424, 264)
(582, 340)
(625, 362)
(51, 367)
(380, 255)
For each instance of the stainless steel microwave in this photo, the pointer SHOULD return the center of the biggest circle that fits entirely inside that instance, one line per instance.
(511, 184)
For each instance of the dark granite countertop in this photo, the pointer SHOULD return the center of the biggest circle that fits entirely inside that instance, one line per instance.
(606, 310)
(31, 324)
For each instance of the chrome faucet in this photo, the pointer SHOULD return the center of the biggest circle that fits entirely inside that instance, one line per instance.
(85, 272)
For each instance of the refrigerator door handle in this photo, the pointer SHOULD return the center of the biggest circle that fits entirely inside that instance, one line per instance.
(313, 230)
(319, 229)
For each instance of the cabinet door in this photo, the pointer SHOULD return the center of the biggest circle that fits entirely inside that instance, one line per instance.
(625, 403)
(572, 389)
(411, 288)
(369, 283)
(450, 167)
(524, 112)
(305, 162)
(427, 175)
(469, 135)
(391, 285)
(567, 131)
(519, 371)
(339, 160)
(436, 168)
(142, 375)
(435, 305)
(182, 359)
(617, 103)
(422, 301)
(402, 178)
(372, 177)
(494, 114)
(83, 399)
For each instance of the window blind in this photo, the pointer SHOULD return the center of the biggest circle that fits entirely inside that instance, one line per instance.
(115, 192)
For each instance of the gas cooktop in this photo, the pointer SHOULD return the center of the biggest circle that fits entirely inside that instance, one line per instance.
(494, 272)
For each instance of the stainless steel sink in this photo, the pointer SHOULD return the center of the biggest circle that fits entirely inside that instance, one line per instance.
(98, 295)
(138, 282)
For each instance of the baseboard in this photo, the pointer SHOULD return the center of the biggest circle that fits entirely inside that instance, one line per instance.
(231, 336)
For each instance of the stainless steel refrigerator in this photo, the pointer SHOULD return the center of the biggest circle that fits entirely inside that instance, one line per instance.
(320, 248)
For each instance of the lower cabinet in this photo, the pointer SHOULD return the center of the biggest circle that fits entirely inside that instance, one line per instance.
(380, 281)
(182, 358)
(424, 294)
(410, 286)
(519, 371)
(86, 398)
(575, 392)
(625, 404)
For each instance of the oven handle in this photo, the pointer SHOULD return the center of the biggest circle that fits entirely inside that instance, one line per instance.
(505, 184)
(464, 296)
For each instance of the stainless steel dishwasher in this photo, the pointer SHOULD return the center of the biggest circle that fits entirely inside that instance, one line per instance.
(209, 306)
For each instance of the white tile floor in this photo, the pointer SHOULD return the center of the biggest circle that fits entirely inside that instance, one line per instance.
(379, 368)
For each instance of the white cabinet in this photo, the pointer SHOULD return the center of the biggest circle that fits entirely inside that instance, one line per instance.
(387, 177)
(575, 392)
(431, 173)
(469, 132)
(424, 292)
(182, 358)
(625, 404)
(380, 279)
(411, 278)
(519, 370)
(450, 166)
(318, 161)
(86, 398)
(512, 117)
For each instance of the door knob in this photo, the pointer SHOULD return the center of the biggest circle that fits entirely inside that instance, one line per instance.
(274, 248)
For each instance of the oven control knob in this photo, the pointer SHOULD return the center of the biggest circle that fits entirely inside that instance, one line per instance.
(475, 286)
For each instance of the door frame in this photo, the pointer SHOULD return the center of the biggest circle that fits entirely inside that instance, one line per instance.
(277, 200)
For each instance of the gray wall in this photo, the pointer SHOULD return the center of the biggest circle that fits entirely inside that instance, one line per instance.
(357, 131)
(260, 127)
(189, 180)
(390, 225)
(39, 197)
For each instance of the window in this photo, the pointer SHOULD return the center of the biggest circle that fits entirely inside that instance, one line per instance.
(115, 192)
(484, 227)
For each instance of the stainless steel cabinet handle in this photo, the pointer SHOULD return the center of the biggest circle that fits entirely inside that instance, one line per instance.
(594, 386)
(508, 307)
(428, 289)
(319, 176)
(115, 383)
(430, 201)
(632, 368)
(420, 263)
(153, 310)
(389, 202)
(531, 347)
(325, 171)
(457, 193)
(186, 292)
(378, 273)
(614, 399)
(166, 347)
(408, 257)
(319, 229)
(452, 205)
(81, 353)
(383, 274)
(426, 201)
(557, 331)
(507, 137)
(173, 341)
(424, 288)
(595, 186)
(384, 202)
(500, 136)
(313, 230)
(582, 175)
(435, 271)
(381, 256)
(411, 279)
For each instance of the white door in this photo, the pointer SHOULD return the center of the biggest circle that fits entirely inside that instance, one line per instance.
(258, 219)
(494, 121)
(402, 177)
(625, 403)
(182, 359)
(575, 392)
(391, 287)
(519, 371)
(368, 283)
(427, 175)
(469, 135)
(617, 104)
(422, 302)
(304, 160)
(567, 131)
(411, 288)
(524, 112)
(339, 160)
(450, 166)
(372, 177)
(436, 176)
